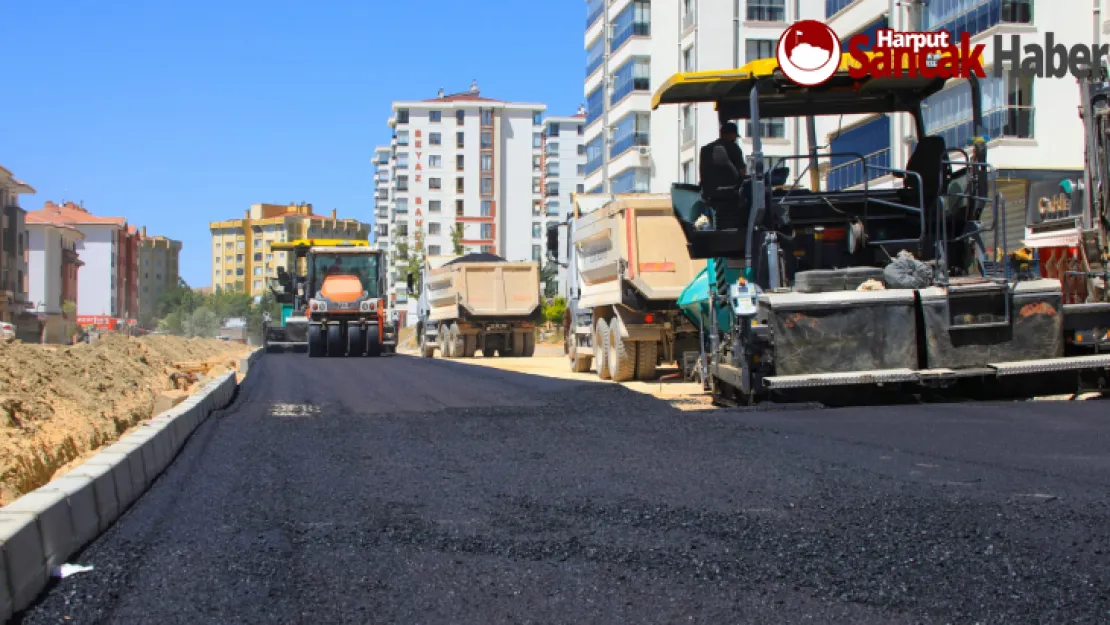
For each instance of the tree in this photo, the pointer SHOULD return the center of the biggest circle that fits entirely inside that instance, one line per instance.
(456, 240)
(416, 260)
(203, 323)
(553, 310)
(549, 276)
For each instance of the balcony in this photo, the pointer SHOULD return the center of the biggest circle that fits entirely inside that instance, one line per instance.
(551, 149)
(551, 190)
(624, 32)
(594, 9)
(766, 11)
(631, 140)
(853, 173)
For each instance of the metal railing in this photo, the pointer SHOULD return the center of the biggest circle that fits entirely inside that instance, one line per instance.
(853, 173)
(627, 142)
(766, 11)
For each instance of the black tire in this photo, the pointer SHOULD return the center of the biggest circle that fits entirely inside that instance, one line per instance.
(579, 363)
(374, 347)
(336, 346)
(356, 340)
(647, 356)
(529, 347)
(458, 342)
(622, 355)
(601, 348)
(317, 347)
(470, 343)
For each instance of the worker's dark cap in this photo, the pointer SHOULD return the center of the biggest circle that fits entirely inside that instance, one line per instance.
(730, 128)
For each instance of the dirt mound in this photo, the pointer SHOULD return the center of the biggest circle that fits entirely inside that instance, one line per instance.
(57, 404)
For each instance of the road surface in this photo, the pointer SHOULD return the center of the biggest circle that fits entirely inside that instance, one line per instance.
(402, 490)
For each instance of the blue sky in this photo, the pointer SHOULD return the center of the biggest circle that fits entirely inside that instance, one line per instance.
(174, 114)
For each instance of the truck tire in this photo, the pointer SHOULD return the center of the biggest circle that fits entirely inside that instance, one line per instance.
(445, 345)
(579, 363)
(622, 355)
(529, 346)
(356, 340)
(647, 356)
(336, 348)
(601, 348)
(317, 348)
(373, 343)
(470, 343)
(458, 345)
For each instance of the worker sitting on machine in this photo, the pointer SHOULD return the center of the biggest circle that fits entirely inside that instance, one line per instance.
(336, 267)
(722, 172)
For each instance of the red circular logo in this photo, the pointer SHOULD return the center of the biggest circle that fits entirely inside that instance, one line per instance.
(808, 53)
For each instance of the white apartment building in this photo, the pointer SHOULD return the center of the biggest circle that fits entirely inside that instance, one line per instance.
(564, 174)
(469, 162)
(52, 273)
(382, 178)
(633, 46)
(1032, 152)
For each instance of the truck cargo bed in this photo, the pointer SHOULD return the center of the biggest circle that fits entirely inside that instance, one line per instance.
(484, 290)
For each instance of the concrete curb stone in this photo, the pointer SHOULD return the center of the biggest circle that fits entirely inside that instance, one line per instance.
(45, 527)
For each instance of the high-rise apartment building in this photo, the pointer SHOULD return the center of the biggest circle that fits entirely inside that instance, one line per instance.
(633, 46)
(564, 174)
(241, 254)
(466, 176)
(382, 179)
(158, 271)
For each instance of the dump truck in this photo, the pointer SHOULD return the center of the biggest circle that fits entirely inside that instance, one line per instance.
(626, 264)
(856, 294)
(332, 302)
(477, 302)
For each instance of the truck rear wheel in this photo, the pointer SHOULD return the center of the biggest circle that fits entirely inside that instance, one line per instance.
(335, 340)
(455, 342)
(470, 343)
(316, 342)
(529, 344)
(374, 345)
(647, 355)
(356, 340)
(622, 355)
(579, 363)
(601, 348)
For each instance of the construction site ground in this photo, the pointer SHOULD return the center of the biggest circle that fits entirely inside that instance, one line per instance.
(60, 404)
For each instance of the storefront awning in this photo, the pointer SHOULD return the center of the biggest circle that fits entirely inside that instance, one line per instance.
(1059, 238)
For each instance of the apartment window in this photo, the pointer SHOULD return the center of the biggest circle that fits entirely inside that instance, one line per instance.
(581, 170)
(636, 180)
(238, 258)
(633, 130)
(766, 10)
(258, 271)
(537, 118)
(537, 208)
(460, 117)
(582, 149)
(581, 130)
(435, 138)
(402, 160)
(487, 185)
(487, 139)
(487, 162)
(402, 137)
(403, 116)
(595, 104)
(688, 59)
(435, 161)
(460, 140)
(634, 20)
(402, 183)
(487, 231)
(553, 208)
(976, 16)
(537, 140)
(688, 172)
(594, 154)
(257, 243)
(402, 205)
(433, 250)
(872, 141)
(536, 251)
(433, 228)
(459, 185)
(537, 162)
(257, 285)
(771, 128)
(434, 206)
(1007, 110)
(756, 49)
(258, 257)
(595, 55)
(435, 116)
(238, 272)
(435, 183)
(634, 75)
(459, 162)
(269, 258)
(487, 117)
(459, 208)
(487, 208)
(240, 245)
(536, 230)
(580, 188)
(535, 185)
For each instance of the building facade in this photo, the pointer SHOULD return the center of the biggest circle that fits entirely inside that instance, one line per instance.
(158, 272)
(564, 174)
(108, 285)
(53, 275)
(633, 46)
(241, 255)
(382, 177)
(466, 175)
(13, 248)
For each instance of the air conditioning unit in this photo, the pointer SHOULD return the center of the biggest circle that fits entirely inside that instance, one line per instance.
(645, 151)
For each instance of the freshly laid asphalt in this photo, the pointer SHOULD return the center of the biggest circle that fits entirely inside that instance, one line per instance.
(402, 490)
